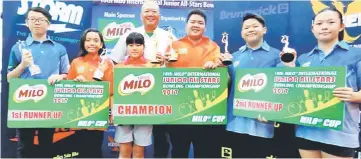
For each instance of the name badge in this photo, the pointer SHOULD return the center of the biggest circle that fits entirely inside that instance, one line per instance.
(183, 51)
(80, 69)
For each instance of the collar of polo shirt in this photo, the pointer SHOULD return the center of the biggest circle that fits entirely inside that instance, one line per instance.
(340, 44)
(30, 40)
(264, 46)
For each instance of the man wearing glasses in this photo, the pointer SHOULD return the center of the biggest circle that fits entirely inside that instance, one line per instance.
(52, 59)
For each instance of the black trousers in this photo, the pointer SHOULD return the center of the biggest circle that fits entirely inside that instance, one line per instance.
(90, 143)
(205, 140)
(26, 147)
(285, 141)
(247, 146)
(161, 143)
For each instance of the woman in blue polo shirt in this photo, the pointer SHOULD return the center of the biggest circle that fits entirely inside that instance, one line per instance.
(315, 142)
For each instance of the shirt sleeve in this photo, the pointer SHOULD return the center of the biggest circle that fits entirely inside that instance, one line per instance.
(13, 61)
(118, 53)
(217, 53)
(358, 74)
(108, 76)
(64, 62)
(230, 71)
(72, 74)
(214, 53)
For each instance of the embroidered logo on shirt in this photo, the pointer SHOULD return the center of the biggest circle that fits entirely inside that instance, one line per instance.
(307, 64)
(183, 51)
(81, 69)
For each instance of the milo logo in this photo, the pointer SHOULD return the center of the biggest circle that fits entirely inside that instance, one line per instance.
(26, 92)
(130, 84)
(113, 30)
(256, 82)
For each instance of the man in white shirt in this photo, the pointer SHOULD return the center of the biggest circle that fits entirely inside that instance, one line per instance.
(153, 36)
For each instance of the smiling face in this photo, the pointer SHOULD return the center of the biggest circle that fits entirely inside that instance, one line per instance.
(326, 26)
(92, 43)
(253, 31)
(195, 26)
(150, 15)
(135, 51)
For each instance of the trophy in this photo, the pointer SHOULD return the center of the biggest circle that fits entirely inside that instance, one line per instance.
(226, 61)
(99, 74)
(154, 50)
(34, 69)
(287, 55)
(173, 53)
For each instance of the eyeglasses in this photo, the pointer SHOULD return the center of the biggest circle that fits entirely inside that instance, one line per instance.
(40, 20)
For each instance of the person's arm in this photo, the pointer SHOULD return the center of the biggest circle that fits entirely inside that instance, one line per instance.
(109, 76)
(230, 75)
(16, 67)
(217, 54)
(348, 94)
(72, 73)
(64, 63)
(210, 61)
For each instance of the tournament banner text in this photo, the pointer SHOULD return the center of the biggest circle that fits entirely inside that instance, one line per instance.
(67, 104)
(170, 96)
(301, 96)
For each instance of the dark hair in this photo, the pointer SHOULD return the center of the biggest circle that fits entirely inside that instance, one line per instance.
(135, 37)
(259, 18)
(341, 33)
(197, 12)
(83, 51)
(39, 10)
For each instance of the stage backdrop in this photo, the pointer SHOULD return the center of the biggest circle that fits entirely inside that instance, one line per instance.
(115, 17)
(292, 18)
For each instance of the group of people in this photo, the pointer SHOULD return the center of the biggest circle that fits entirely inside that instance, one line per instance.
(249, 137)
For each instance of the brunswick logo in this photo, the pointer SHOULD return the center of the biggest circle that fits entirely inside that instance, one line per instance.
(113, 30)
(130, 84)
(352, 14)
(26, 92)
(249, 82)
